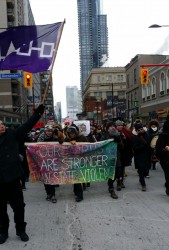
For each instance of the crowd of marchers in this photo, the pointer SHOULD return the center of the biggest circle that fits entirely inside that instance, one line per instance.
(137, 143)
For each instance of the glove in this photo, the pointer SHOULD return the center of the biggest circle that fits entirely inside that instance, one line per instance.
(40, 109)
(73, 142)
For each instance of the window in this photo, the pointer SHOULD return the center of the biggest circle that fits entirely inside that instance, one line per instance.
(144, 94)
(97, 94)
(109, 78)
(153, 87)
(135, 76)
(148, 90)
(167, 80)
(119, 78)
(128, 80)
(162, 82)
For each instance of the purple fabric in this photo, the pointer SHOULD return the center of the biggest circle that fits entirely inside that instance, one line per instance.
(29, 48)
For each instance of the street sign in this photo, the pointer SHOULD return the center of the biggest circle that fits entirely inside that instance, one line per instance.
(11, 75)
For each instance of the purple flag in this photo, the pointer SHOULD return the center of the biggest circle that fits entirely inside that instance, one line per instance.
(29, 48)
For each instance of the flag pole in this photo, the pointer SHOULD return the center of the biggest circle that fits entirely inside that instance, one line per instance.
(50, 75)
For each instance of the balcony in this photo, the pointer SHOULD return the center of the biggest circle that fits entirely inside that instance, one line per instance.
(11, 16)
(162, 92)
(10, 24)
(10, 3)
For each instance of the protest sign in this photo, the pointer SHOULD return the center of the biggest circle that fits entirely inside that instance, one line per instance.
(53, 163)
(84, 126)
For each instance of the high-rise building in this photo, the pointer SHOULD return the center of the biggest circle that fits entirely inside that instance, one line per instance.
(73, 101)
(93, 37)
(58, 112)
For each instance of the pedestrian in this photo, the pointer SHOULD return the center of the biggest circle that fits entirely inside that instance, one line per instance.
(112, 133)
(74, 136)
(153, 132)
(51, 134)
(10, 175)
(162, 152)
(142, 153)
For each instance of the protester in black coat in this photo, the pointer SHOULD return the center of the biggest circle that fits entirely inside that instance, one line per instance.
(142, 153)
(73, 136)
(112, 133)
(162, 152)
(51, 134)
(10, 175)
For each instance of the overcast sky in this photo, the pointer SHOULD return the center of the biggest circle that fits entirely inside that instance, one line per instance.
(128, 22)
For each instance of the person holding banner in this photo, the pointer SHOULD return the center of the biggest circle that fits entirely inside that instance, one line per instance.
(73, 136)
(51, 134)
(112, 133)
(10, 176)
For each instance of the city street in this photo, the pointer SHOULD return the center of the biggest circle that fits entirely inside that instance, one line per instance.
(137, 220)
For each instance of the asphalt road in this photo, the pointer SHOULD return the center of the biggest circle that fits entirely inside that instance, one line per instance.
(136, 221)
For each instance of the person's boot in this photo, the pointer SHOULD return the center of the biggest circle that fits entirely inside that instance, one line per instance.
(53, 199)
(113, 194)
(79, 197)
(20, 231)
(167, 191)
(49, 196)
(118, 185)
(154, 167)
(84, 186)
(3, 238)
(143, 188)
(122, 184)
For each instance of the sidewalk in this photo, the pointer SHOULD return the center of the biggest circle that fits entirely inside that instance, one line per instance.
(136, 221)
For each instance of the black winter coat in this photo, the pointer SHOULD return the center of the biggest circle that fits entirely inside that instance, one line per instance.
(10, 164)
(142, 151)
(163, 155)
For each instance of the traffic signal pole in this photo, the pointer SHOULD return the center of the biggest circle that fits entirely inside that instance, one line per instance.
(153, 65)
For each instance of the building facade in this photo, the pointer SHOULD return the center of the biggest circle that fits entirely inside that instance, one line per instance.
(93, 37)
(104, 95)
(155, 95)
(73, 101)
(136, 93)
(58, 112)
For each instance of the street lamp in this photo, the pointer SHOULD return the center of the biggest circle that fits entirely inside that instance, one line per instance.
(157, 26)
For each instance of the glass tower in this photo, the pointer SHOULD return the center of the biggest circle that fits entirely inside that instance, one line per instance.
(93, 37)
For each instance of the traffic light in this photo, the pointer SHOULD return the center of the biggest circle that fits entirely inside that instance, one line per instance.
(144, 76)
(28, 80)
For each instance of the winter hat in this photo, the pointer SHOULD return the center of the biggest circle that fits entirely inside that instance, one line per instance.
(48, 127)
(1, 122)
(73, 129)
(119, 123)
(109, 124)
(138, 120)
(137, 126)
(154, 122)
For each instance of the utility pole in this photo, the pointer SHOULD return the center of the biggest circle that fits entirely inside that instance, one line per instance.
(112, 100)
